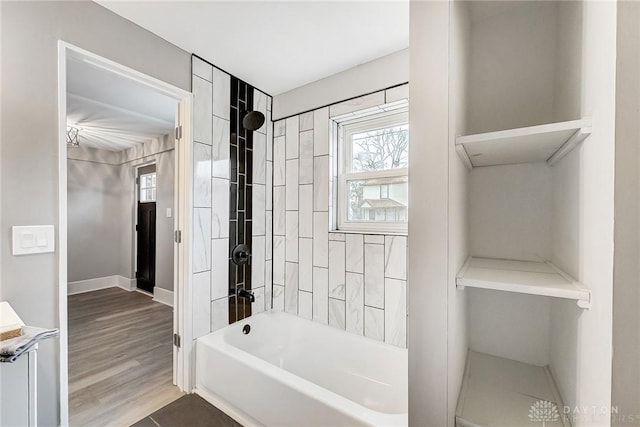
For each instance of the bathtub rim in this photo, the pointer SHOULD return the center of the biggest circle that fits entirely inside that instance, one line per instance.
(216, 340)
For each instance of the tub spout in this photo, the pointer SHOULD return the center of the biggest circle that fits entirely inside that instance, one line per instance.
(243, 293)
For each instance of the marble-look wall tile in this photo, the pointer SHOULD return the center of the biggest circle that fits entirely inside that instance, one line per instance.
(268, 284)
(306, 157)
(305, 305)
(292, 136)
(291, 240)
(269, 234)
(321, 239)
(258, 210)
(279, 211)
(374, 275)
(278, 297)
(221, 160)
(258, 305)
(201, 318)
(321, 132)
(201, 239)
(259, 158)
(279, 128)
(202, 68)
(278, 260)
(337, 270)
(258, 244)
(305, 264)
(279, 160)
(321, 295)
(355, 303)
(305, 204)
(395, 312)
(395, 257)
(374, 238)
(292, 184)
(220, 208)
(219, 314)
(202, 113)
(321, 183)
(221, 94)
(337, 313)
(201, 175)
(397, 93)
(269, 146)
(219, 268)
(291, 288)
(354, 253)
(356, 104)
(269, 181)
(306, 121)
(374, 323)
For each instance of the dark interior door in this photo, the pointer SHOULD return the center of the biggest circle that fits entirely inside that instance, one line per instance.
(146, 231)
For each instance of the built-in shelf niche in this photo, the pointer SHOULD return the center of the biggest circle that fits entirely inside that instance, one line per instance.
(548, 142)
(526, 277)
(499, 391)
(521, 130)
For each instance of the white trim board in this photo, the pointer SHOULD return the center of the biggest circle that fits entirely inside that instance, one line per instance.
(95, 284)
(163, 296)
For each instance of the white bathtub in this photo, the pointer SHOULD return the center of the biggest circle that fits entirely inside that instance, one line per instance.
(288, 371)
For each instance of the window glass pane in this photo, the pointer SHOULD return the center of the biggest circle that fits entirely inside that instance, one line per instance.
(380, 149)
(148, 187)
(365, 202)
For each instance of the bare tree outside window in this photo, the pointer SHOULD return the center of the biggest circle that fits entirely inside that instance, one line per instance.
(381, 149)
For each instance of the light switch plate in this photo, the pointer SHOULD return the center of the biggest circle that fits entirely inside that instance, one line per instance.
(33, 239)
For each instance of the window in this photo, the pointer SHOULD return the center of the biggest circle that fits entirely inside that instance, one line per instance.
(148, 187)
(373, 173)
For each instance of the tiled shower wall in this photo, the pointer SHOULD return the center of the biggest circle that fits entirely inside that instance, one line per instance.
(212, 209)
(355, 282)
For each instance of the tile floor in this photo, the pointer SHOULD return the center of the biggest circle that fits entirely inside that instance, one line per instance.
(188, 411)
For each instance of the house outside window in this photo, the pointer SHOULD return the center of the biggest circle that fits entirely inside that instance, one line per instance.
(373, 181)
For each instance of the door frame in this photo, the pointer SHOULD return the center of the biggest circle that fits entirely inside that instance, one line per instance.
(183, 205)
(136, 199)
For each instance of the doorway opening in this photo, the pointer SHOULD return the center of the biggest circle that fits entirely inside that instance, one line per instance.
(146, 182)
(124, 161)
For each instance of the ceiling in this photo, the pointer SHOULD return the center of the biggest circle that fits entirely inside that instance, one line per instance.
(276, 45)
(113, 112)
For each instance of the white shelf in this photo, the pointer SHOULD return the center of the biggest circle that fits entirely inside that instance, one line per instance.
(541, 143)
(500, 392)
(526, 277)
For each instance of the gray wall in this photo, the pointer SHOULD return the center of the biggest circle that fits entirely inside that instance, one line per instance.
(29, 153)
(102, 211)
(93, 203)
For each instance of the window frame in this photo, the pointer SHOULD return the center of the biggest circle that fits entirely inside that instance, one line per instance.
(345, 130)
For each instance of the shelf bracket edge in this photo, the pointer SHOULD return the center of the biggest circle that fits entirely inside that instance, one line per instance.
(575, 139)
(464, 156)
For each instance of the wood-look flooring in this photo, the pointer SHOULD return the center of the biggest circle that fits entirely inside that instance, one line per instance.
(120, 357)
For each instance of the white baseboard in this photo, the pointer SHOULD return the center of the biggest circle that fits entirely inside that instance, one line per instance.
(126, 283)
(163, 296)
(82, 286)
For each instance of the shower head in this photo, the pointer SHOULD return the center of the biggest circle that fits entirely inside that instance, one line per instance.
(253, 120)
